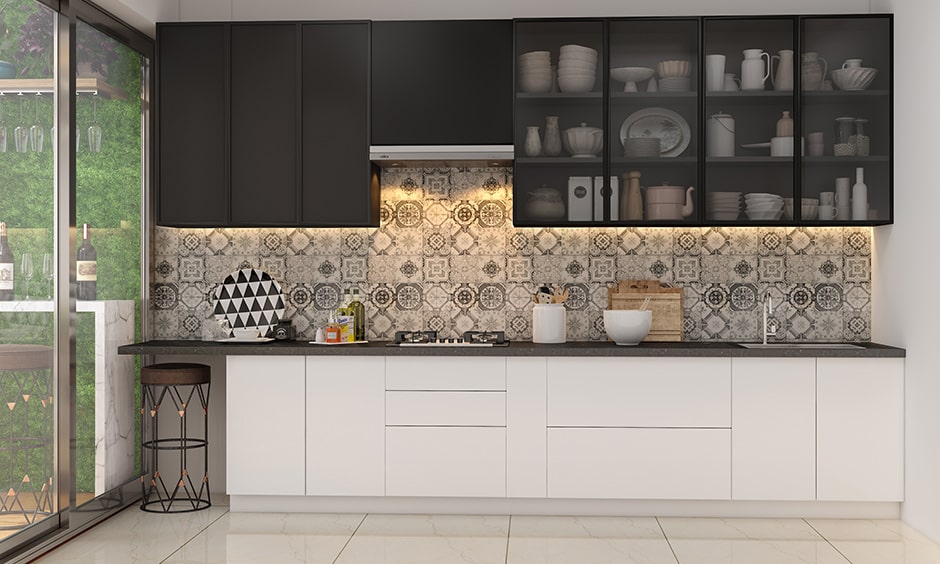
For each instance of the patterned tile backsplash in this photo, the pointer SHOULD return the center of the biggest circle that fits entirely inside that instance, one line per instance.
(446, 257)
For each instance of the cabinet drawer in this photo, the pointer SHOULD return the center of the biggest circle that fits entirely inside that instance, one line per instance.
(639, 392)
(445, 373)
(445, 461)
(639, 463)
(484, 409)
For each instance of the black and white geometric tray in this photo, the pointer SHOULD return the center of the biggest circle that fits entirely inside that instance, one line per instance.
(249, 298)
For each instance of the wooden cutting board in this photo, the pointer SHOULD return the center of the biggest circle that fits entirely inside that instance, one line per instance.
(665, 303)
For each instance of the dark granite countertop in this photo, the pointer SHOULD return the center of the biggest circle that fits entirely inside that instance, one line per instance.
(518, 348)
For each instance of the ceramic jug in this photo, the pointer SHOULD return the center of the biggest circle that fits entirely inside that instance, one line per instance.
(812, 72)
(719, 136)
(783, 79)
(731, 83)
(754, 69)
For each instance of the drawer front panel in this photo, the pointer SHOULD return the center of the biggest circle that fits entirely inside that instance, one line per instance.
(445, 373)
(639, 463)
(639, 392)
(485, 409)
(445, 461)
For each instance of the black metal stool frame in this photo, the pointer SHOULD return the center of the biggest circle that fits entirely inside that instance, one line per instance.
(183, 491)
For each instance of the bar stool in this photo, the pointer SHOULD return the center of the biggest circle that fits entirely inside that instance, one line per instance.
(26, 452)
(170, 488)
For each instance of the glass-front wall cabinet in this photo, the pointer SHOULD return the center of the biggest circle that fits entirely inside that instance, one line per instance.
(749, 109)
(653, 121)
(703, 121)
(846, 119)
(559, 122)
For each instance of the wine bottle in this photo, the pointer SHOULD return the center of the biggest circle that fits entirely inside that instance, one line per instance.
(358, 312)
(6, 265)
(86, 267)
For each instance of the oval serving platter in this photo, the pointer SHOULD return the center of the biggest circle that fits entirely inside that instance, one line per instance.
(671, 128)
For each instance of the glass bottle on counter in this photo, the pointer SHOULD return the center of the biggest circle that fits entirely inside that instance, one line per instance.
(6, 265)
(86, 267)
(358, 311)
(346, 319)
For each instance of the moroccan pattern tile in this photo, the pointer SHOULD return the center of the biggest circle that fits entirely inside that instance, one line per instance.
(447, 257)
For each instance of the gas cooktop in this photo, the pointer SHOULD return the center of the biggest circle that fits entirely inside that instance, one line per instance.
(430, 339)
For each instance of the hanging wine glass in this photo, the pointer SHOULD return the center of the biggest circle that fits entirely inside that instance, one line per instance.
(27, 270)
(36, 132)
(94, 130)
(21, 133)
(3, 128)
(48, 272)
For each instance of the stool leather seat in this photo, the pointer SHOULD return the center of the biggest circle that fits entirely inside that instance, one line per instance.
(25, 357)
(175, 374)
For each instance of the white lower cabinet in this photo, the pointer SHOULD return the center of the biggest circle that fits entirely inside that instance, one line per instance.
(345, 443)
(860, 429)
(619, 463)
(445, 461)
(773, 421)
(265, 411)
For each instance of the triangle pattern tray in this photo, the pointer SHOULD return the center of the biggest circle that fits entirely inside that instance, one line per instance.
(249, 298)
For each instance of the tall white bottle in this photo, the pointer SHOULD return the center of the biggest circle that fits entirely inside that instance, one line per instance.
(859, 196)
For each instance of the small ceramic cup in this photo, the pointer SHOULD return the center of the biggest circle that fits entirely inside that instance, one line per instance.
(827, 212)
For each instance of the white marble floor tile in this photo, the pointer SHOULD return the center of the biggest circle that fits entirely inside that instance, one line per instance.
(428, 539)
(878, 541)
(263, 538)
(737, 528)
(135, 536)
(751, 551)
(576, 540)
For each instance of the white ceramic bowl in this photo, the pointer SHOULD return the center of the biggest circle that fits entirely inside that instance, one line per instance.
(575, 85)
(583, 141)
(534, 85)
(245, 333)
(630, 76)
(627, 326)
(764, 207)
(536, 56)
(675, 84)
(763, 215)
(853, 78)
(572, 48)
(717, 215)
(636, 147)
(676, 68)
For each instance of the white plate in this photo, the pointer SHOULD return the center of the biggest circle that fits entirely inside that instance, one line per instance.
(249, 298)
(671, 128)
(237, 340)
(756, 145)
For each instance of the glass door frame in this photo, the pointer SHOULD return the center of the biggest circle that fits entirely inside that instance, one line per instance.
(69, 519)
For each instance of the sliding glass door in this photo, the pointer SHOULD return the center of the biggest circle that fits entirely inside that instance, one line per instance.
(74, 172)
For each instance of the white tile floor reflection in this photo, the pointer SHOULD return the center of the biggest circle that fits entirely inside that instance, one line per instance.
(216, 535)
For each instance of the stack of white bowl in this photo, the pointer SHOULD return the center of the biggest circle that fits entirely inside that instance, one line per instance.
(535, 72)
(674, 75)
(723, 206)
(761, 206)
(577, 68)
(809, 209)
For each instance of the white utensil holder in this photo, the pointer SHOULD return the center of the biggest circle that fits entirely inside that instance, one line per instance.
(549, 323)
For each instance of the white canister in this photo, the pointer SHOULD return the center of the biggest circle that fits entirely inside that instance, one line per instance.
(719, 136)
(549, 323)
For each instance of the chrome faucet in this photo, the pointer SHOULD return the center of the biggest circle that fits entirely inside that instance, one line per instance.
(769, 324)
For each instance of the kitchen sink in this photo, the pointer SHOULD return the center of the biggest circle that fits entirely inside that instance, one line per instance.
(799, 346)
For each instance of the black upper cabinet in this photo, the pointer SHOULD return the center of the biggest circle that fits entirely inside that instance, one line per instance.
(340, 186)
(192, 146)
(264, 126)
(442, 82)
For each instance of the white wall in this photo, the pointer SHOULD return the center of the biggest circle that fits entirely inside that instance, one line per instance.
(906, 258)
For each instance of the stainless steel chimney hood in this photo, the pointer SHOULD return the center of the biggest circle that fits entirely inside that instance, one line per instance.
(441, 155)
